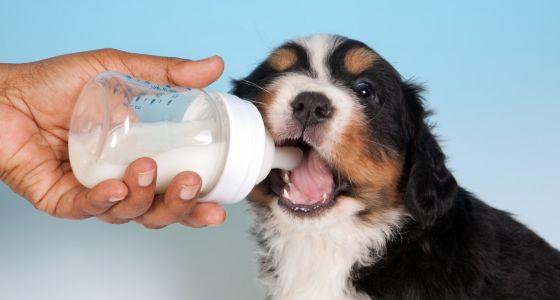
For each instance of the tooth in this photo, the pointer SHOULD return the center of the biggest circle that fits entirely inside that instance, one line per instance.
(324, 197)
(285, 193)
(286, 176)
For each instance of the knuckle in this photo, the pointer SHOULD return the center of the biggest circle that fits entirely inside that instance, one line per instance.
(178, 213)
(138, 204)
(109, 52)
(130, 211)
(93, 210)
(91, 206)
(107, 57)
(88, 205)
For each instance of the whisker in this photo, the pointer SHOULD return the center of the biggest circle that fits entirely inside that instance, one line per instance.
(388, 148)
(377, 114)
(257, 104)
(255, 85)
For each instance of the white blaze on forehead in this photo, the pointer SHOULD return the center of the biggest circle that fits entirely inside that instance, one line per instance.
(318, 49)
(287, 87)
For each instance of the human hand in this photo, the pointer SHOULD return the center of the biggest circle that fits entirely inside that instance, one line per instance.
(36, 103)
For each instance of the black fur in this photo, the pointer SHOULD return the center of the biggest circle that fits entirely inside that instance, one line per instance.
(454, 246)
(264, 74)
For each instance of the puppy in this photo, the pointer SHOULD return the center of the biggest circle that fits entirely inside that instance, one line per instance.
(372, 212)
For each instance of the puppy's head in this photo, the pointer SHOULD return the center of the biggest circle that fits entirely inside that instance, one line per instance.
(357, 122)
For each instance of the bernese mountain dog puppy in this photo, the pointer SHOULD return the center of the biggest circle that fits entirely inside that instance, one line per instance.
(372, 212)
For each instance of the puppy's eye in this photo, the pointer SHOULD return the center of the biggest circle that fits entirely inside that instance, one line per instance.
(364, 90)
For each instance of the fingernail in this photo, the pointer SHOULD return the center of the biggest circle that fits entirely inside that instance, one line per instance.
(146, 178)
(115, 198)
(188, 192)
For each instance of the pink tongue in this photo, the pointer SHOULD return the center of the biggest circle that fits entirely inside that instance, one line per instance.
(310, 180)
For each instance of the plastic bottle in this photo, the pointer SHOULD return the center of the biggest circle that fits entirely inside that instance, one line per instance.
(118, 119)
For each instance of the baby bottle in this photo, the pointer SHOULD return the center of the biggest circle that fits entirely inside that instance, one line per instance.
(118, 119)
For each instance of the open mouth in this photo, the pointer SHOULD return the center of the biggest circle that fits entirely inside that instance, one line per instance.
(311, 187)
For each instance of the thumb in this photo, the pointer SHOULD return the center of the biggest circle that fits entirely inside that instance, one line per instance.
(198, 73)
(175, 71)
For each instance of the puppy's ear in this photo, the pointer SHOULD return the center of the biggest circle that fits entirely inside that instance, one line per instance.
(289, 56)
(431, 189)
(249, 87)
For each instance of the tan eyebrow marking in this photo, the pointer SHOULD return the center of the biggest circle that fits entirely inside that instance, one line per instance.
(282, 59)
(359, 59)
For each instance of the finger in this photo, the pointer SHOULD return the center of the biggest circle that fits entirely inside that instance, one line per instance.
(197, 74)
(176, 204)
(168, 70)
(101, 197)
(140, 178)
(147, 67)
(205, 213)
(108, 218)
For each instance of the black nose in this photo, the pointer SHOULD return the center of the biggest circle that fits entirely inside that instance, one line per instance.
(311, 108)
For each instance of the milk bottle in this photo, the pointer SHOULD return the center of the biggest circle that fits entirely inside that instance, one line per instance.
(118, 119)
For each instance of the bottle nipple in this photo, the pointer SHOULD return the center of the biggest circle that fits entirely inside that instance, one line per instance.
(287, 158)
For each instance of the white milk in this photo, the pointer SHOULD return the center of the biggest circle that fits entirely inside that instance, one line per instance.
(176, 147)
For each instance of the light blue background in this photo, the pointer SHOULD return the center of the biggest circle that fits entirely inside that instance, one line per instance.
(492, 75)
